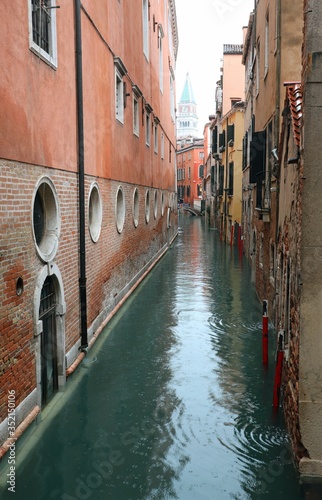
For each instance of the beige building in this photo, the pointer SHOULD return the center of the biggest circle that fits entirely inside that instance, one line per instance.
(271, 56)
(230, 207)
(226, 129)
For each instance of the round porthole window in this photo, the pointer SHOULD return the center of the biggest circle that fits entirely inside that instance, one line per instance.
(120, 209)
(136, 207)
(169, 217)
(45, 219)
(155, 204)
(147, 206)
(95, 212)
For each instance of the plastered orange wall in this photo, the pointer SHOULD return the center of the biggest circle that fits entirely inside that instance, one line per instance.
(38, 103)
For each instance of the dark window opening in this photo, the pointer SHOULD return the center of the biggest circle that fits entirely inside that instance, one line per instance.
(257, 155)
(222, 141)
(39, 218)
(221, 180)
(231, 179)
(231, 133)
(215, 140)
(41, 23)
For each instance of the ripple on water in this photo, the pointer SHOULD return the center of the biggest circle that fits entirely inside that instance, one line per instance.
(249, 441)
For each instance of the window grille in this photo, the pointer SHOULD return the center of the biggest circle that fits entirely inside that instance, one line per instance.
(47, 299)
(41, 20)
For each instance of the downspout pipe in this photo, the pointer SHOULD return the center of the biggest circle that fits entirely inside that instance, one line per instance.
(81, 176)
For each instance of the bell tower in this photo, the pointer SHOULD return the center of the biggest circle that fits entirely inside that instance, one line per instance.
(187, 119)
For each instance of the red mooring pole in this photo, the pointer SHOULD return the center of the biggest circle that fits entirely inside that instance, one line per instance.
(278, 372)
(265, 332)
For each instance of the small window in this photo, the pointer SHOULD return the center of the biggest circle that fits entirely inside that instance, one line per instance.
(160, 36)
(156, 138)
(155, 204)
(145, 16)
(136, 109)
(147, 206)
(46, 219)
(231, 179)
(162, 145)
(119, 97)
(42, 30)
(147, 128)
(136, 127)
(120, 71)
(162, 204)
(120, 209)
(95, 213)
(136, 207)
(201, 169)
(231, 135)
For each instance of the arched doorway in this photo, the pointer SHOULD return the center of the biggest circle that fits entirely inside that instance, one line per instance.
(48, 341)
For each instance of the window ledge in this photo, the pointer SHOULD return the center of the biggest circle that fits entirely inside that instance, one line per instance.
(50, 60)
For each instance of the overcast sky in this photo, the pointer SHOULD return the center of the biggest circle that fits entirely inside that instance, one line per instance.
(204, 26)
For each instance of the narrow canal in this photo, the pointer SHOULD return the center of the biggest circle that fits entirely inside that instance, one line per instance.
(173, 401)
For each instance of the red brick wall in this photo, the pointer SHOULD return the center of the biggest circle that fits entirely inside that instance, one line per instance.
(111, 262)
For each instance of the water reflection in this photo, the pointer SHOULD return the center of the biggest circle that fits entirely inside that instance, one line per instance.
(173, 401)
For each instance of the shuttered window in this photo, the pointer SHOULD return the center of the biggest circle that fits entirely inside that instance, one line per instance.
(215, 140)
(257, 155)
(222, 141)
(231, 133)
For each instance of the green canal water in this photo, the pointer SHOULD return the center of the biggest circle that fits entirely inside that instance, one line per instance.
(173, 401)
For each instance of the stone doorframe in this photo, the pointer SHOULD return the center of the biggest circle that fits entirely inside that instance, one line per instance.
(52, 270)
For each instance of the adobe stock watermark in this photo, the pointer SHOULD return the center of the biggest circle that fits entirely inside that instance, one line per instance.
(11, 481)
(106, 458)
(224, 7)
(274, 469)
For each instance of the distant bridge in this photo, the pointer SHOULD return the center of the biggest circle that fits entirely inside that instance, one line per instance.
(193, 211)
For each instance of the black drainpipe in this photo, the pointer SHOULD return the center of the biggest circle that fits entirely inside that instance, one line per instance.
(81, 190)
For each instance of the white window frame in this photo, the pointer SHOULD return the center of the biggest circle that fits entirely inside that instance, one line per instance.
(147, 128)
(119, 97)
(156, 137)
(136, 119)
(160, 37)
(162, 145)
(136, 109)
(266, 56)
(145, 25)
(48, 57)
(120, 71)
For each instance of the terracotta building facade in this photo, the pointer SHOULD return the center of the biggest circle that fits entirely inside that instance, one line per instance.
(88, 178)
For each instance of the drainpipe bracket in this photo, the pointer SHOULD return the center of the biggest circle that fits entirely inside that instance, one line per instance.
(83, 348)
